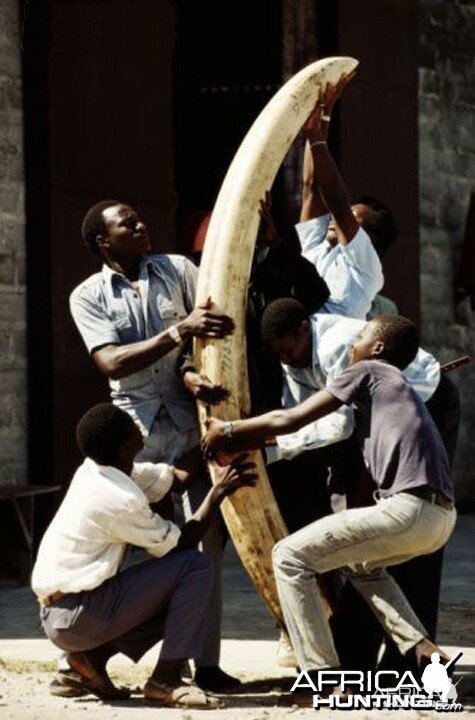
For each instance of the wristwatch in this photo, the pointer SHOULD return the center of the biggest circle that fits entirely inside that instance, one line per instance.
(175, 334)
(228, 429)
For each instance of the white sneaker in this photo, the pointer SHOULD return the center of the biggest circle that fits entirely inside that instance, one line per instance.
(285, 653)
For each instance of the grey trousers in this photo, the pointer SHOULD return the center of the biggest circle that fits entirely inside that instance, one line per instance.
(361, 542)
(162, 598)
(166, 444)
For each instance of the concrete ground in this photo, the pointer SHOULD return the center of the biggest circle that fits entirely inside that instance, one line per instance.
(27, 659)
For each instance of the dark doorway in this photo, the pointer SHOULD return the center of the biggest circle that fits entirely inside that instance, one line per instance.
(98, 100)
(103, 80)
(228, 64)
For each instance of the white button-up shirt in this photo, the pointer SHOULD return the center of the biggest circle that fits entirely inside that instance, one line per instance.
(332, 338)
(353, 272)
(103, 511)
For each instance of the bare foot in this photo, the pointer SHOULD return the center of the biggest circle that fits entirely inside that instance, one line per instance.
(424, 650)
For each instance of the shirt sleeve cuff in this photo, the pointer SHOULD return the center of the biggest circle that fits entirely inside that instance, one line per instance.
(311, 232)
(341, 394)
(273, 454)
(93, 345)
(362, 251)
(154, 479)
(170, 541)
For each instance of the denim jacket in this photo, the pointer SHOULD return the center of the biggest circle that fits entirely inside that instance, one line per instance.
(108, 310)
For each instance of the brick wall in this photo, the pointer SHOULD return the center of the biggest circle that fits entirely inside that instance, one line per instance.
(447, 176)
(13, 422)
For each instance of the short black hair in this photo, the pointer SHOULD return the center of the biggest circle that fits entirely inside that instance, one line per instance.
(380, 225)
(101, 432)
(400, 338)
(93, 223)
(282, 317)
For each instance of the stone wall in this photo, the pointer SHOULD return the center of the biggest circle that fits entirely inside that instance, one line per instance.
(13, 420)
(447, 177)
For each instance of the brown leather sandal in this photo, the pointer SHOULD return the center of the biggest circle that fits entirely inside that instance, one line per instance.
(182, 696)
(91, 679)
(67, 685)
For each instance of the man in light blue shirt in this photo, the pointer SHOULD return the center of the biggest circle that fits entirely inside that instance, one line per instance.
(135, 316)
(351, 269)
(314, 350)
(352, 272)
(334, 235)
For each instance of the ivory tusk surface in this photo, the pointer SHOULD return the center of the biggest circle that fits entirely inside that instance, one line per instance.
(252, 515)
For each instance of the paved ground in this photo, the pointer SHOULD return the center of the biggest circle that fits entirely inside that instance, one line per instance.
(27, 659)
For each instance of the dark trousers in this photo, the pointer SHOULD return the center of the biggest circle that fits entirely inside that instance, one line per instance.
(163, 598)
(300, 489)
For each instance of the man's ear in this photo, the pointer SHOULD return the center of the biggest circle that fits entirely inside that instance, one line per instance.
(102, 241)
(378, 349)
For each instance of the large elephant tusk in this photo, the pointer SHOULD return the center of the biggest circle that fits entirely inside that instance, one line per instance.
(252, 516)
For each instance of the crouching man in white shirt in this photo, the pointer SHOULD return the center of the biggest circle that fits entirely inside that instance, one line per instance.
(92, 609)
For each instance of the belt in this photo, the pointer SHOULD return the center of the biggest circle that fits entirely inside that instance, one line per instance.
(49, 599)
(433, 496)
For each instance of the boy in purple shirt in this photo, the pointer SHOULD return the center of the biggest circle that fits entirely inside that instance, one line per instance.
(414, 512)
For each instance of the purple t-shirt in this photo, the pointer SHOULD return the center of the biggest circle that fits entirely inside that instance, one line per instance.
(401, 444)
